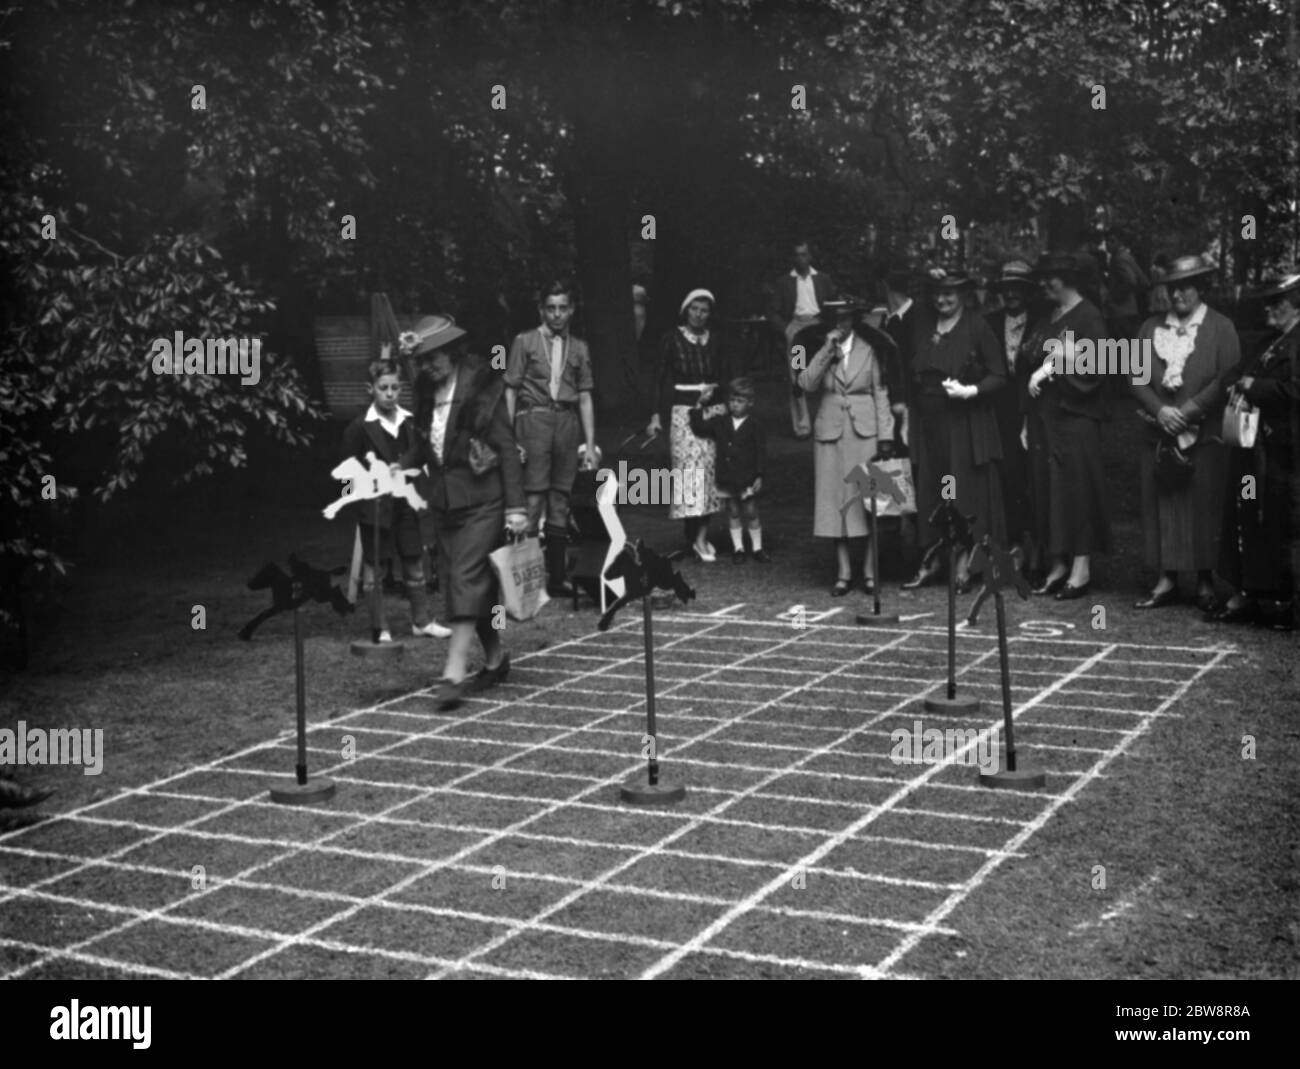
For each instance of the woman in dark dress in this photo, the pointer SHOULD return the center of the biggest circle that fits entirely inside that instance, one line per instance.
(1261, 529)
(957, 364)
(1194, 348)
(1066, 411)
(459, 408)
(691, 361)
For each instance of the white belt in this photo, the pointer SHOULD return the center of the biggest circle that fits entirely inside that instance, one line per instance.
(697, 386)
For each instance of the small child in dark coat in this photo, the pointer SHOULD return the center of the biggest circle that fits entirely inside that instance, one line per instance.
(742, 452)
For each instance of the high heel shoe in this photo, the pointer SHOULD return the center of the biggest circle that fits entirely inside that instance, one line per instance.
(921, 579)
(840, 588)
(1051, 586)
(1070, 592)
(1160, 600)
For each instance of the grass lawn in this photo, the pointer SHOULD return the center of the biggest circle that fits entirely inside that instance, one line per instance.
(490, 841)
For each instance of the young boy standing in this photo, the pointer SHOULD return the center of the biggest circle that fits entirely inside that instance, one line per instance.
(386, 431)
(741, 459)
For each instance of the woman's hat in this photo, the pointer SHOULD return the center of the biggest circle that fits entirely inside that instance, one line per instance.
(1277, 287)
(430, 333)
(1014, 273)
(1188, 267)
(946, 278)
(696, 295)
(1064, 265)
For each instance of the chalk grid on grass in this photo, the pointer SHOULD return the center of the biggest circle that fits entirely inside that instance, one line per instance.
(790, 744)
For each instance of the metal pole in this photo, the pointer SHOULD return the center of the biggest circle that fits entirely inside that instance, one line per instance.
(875, 556)
(650, 690)
(1006, 682)
(952, 622)
(376, 595)
(302, 693)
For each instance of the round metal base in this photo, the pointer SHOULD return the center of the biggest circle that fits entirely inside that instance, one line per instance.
(1020, 779)
(641, 793)
(313, 792)
(870, 619)
(951, 705)
(365, 648)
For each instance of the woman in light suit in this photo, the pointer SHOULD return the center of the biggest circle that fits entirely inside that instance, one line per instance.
(853, 425)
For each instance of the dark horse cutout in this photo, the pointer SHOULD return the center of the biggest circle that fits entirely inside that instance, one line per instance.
(1001, 568)
(642, 570)
(303, 584)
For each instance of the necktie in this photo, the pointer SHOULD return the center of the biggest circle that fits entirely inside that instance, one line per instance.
(557, 363)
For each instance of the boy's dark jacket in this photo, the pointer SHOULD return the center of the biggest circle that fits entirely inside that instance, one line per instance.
(741, 452)
(361, 437)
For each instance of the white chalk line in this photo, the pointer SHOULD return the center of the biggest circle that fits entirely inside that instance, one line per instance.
(1075, 788)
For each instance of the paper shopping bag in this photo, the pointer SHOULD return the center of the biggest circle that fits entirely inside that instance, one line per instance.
(521, 570)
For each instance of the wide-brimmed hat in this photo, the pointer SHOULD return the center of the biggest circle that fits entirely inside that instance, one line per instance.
(1014, 273)
(430, 333)
(1188, 267)
(697, 295)
(844, 305)
(946, 278)
(1278, 286)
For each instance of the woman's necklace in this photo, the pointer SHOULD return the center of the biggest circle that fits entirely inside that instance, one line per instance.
(944, 326)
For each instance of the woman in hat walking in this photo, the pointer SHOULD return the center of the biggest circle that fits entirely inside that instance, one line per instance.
(464, 437)
(957, 369)
(1259, 547)
(1183, 462)
(691, 363)
(1066, 411)
(854, 424)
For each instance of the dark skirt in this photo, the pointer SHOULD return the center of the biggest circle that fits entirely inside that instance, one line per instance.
(1182, 528)
(935, 455)
(1038, 486)
(1078, 517)
(1015, 488)
(1255, 553)
(465, 539)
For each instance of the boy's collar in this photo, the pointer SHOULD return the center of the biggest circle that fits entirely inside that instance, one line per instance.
(399, 414)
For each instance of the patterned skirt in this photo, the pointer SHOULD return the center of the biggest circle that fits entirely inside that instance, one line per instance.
(697, 460)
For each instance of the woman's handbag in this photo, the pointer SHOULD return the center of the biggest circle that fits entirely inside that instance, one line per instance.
(1240, 424)
(1174, 467)
(482, 457)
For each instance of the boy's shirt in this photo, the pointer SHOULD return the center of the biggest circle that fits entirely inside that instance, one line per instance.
(530, 368)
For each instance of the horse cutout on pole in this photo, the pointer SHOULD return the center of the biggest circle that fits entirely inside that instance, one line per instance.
(872, 480)
(955, 535)
(643, 570)
(371, 482)
(1001, 569)
(597, 553)
(302, 584)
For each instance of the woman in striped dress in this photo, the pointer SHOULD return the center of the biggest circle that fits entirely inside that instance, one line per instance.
(691, 361)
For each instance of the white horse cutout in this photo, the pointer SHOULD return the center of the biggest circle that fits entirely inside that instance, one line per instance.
(368, 483)
(606, 495)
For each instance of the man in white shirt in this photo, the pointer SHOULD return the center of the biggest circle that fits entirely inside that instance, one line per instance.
(796, 304)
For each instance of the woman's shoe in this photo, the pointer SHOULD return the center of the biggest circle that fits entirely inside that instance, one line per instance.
(868, 586)
(840, 588)
(1159, 601)
(1277, 615)
(1206, 601)
(1051, 586)
(450, 693)
(486, 677)
(1069, 593)
(921, 579)
(704, 555)
(1245, 613)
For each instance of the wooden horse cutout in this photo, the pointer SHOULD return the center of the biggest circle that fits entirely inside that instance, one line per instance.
(642, 570)
(366, 483)
(1001, 568)
(954, 531)
(290, 591)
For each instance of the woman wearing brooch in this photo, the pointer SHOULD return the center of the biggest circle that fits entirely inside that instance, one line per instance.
(1262, 527)
(854, 425)
(1066, 411)
(691, 363)
(476, 491)
(1195, 349)
(957, 364)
